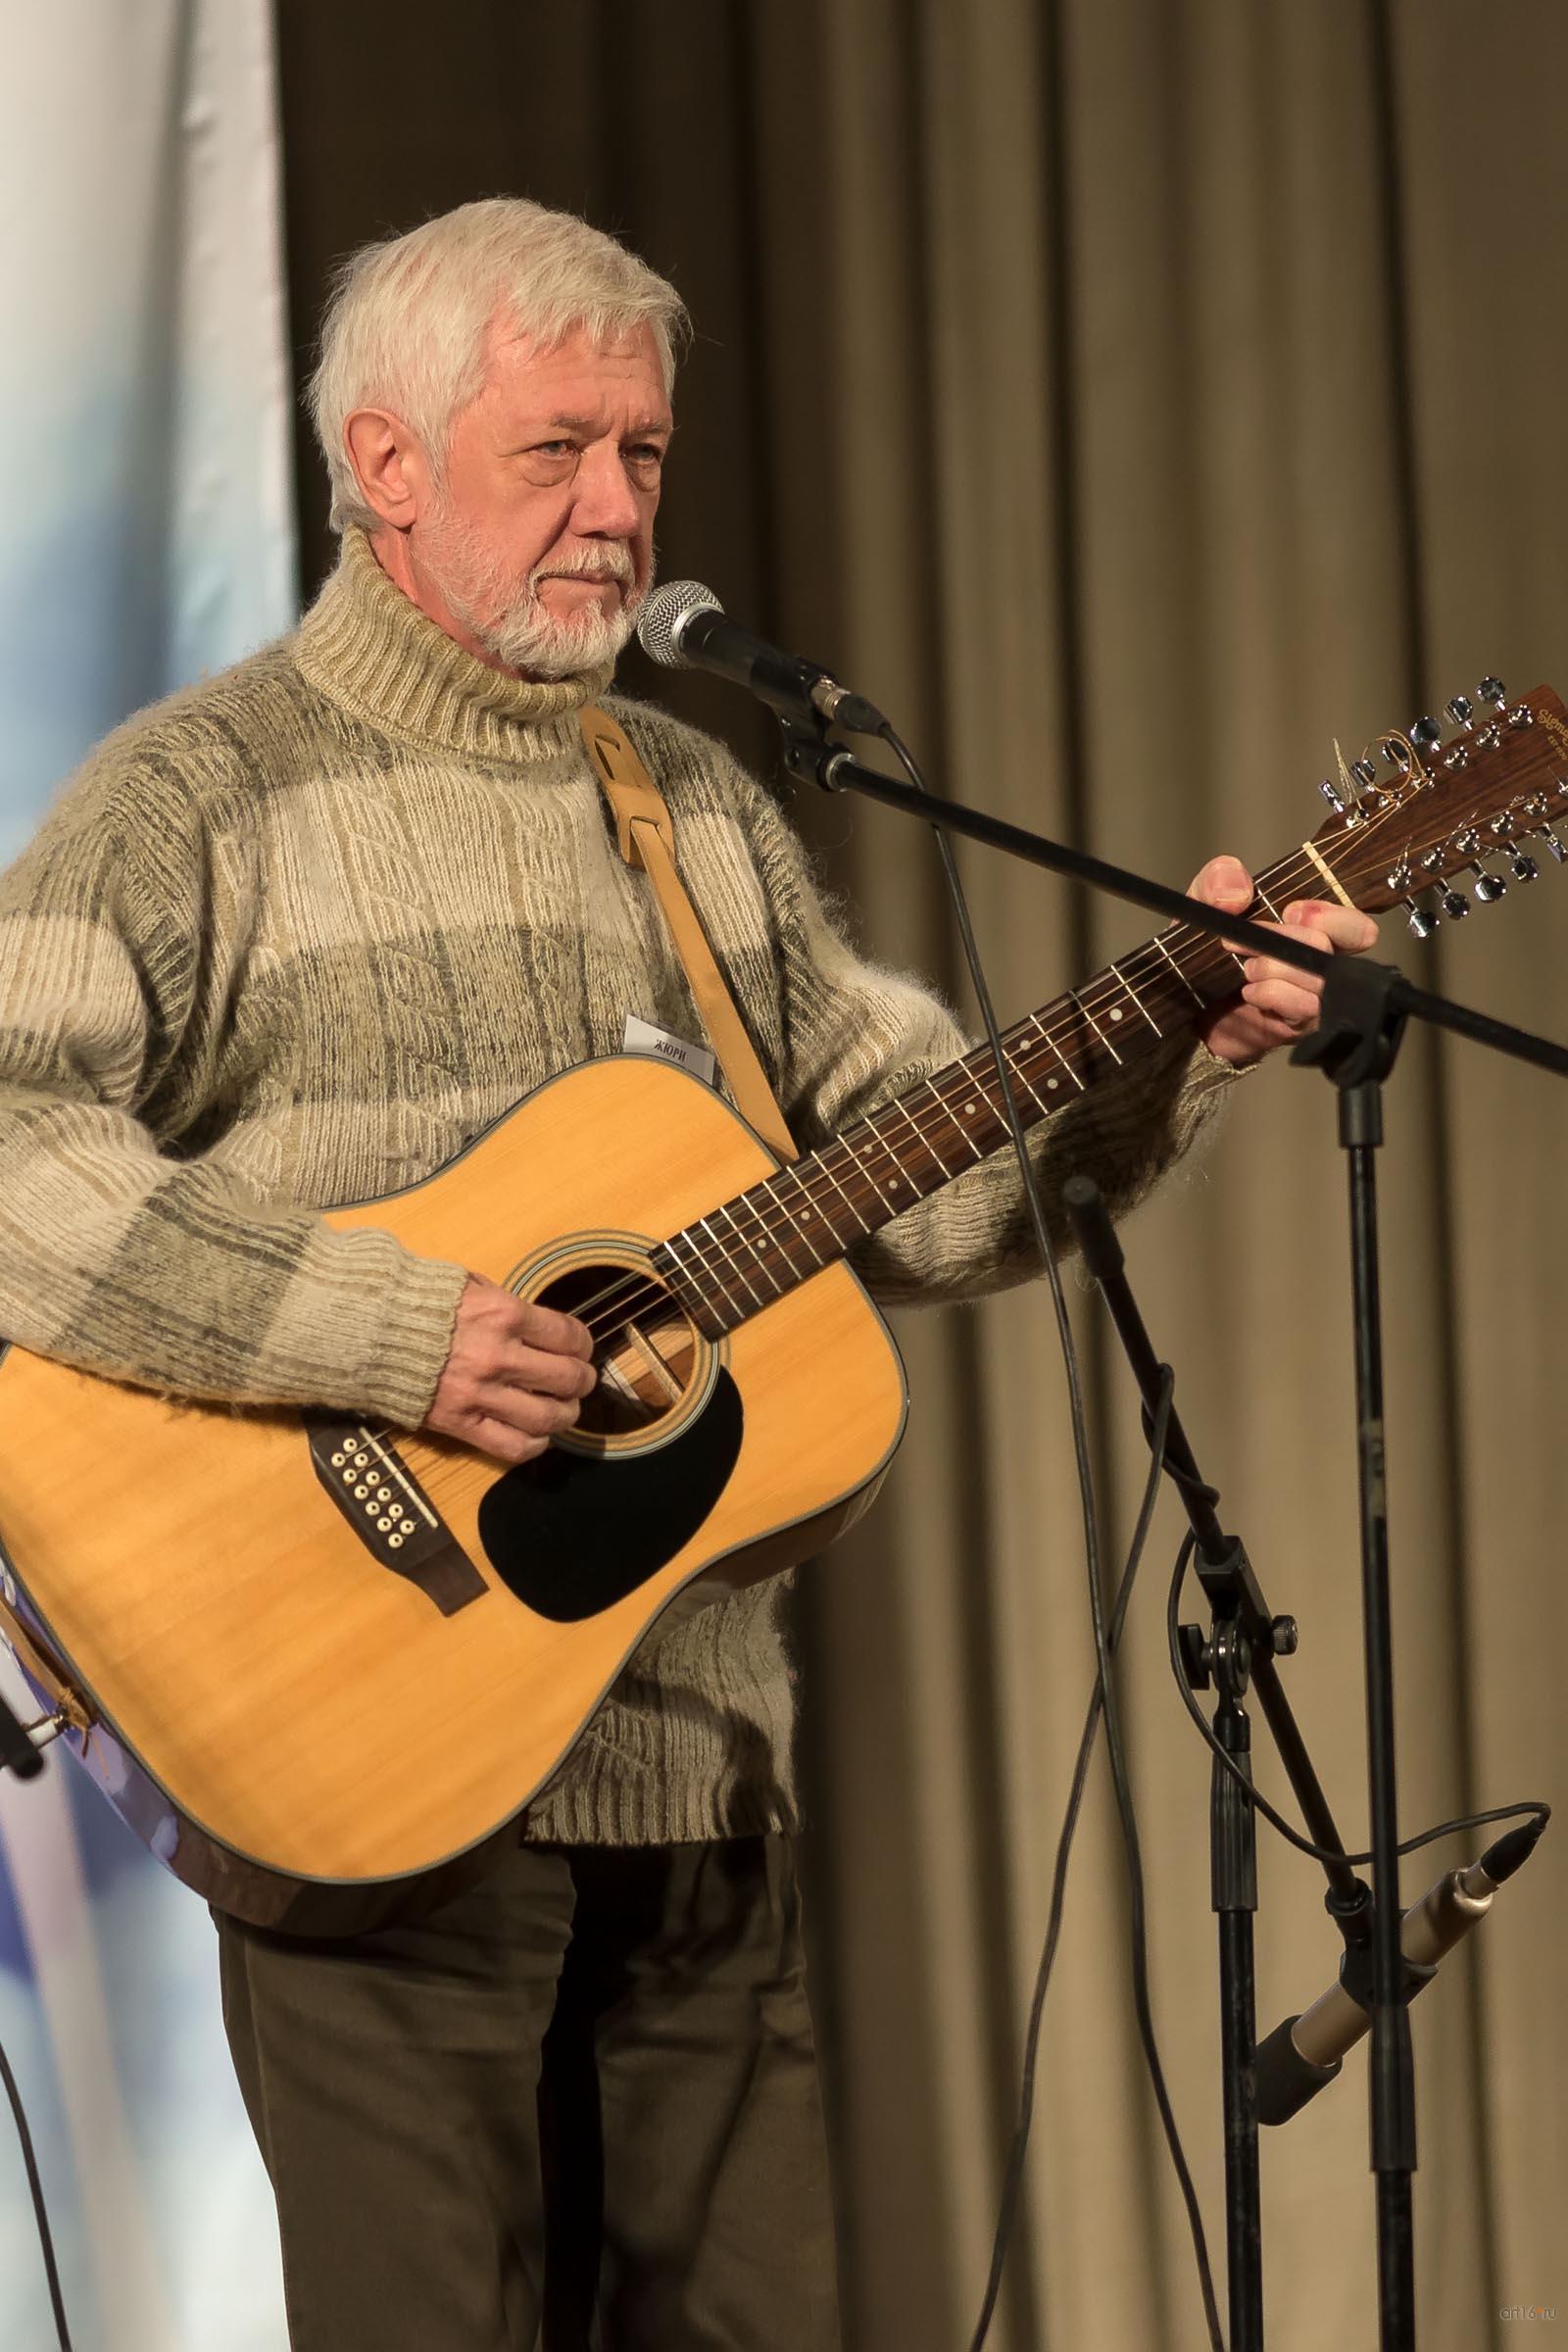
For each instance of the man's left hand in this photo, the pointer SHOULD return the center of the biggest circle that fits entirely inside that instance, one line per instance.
(1278, 1004)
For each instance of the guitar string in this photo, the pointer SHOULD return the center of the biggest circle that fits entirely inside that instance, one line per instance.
(1102, 993)
(607, 1312)
(1193, 956)
(1150, 964)
(634, 1293)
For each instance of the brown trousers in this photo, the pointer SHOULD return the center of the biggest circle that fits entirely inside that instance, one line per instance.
(581, 2096)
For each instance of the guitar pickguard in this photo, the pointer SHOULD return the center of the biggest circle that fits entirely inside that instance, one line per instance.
(573, 1531)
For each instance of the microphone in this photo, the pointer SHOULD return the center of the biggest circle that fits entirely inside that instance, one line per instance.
(684, 627)
(1304, 2052)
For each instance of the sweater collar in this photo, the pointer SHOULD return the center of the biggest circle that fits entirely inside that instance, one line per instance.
(369, 648)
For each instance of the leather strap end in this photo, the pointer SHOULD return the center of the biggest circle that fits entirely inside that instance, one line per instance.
(634, 799)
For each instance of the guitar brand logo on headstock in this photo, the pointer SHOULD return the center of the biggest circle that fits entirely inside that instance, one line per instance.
(1554, 727)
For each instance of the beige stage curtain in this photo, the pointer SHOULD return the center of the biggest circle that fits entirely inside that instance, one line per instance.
(1133, 396)
(1192, 376)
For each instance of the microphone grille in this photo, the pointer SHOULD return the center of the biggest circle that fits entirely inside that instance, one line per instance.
(662, 616)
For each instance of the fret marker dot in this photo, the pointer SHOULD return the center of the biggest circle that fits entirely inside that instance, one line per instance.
(1115, 1012)
(1052, 1082)
(969, 1109)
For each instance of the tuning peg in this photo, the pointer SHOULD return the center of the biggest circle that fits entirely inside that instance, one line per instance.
(1454, 904)
(1460, 710)
(1490, 887)
(1536, 811)
(1491, 690)
(1366, 775)
(1423, 920)
(1331, 793)
(1524, 868)
(1426, 735)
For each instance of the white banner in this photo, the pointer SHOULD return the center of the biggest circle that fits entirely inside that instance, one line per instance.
(145, 416)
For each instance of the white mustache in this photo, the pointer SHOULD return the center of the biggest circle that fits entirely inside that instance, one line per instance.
(599, 563)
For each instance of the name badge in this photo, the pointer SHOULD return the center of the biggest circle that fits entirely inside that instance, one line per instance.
(642, 1037)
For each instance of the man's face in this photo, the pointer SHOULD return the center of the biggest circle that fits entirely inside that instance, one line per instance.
(542, 547)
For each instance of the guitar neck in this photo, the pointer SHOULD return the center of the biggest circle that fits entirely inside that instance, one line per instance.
(748, 1251)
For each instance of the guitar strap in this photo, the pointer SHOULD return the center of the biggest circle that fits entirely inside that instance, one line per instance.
(646, 838)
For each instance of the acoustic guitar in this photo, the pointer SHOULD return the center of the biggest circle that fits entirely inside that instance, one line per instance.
(321, 1666)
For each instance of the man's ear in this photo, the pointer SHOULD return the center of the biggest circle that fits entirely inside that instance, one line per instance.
(388, 464)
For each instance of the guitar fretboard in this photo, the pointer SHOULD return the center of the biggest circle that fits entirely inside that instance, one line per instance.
(744, 1255)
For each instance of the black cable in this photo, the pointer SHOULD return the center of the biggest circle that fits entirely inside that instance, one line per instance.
(35, 2184)
(1103, 1691)
(1534, 1808)
(1012, 2180)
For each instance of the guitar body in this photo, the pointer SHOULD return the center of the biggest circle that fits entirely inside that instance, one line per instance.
(317, 1730)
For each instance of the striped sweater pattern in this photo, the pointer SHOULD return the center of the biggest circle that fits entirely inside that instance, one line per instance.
(294, 937)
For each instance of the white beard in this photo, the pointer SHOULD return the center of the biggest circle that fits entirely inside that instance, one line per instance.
(510, 621)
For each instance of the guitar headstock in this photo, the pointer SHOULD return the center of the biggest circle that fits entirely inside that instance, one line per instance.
(1417, 812)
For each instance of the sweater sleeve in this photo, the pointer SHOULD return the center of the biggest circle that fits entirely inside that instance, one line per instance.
(858, 1036)
(118, 1254)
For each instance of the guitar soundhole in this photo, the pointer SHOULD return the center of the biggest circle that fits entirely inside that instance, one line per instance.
(651, 1362)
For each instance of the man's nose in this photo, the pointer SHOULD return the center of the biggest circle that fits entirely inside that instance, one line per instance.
(607, 505)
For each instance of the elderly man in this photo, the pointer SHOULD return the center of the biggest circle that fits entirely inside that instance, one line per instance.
(292, 940)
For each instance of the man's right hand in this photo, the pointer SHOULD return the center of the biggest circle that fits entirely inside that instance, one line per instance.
(513, 1376)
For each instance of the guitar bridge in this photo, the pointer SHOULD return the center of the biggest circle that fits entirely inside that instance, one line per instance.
(390, 1512)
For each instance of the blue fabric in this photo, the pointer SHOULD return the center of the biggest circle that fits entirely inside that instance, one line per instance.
(145, 409)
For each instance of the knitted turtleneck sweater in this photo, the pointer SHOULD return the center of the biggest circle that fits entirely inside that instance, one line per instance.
(294, 937)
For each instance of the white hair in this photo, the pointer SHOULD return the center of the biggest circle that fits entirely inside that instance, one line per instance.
(406, 323)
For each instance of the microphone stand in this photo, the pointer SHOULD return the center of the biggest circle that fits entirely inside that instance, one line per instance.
(1243, 1645)
(1364, 1009)
(1355, 1045)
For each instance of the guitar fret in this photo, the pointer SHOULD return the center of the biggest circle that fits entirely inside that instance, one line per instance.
(770, 1241)
(849, 1148)
(963, 1137)
(919, 1134)
(818, 1205)
(1137, 1000)
(715, 1274)
(718, 1285)
(1060, 1056)
(1016, 1071)
(768, 1187)
(1177, 969)
(700, 1285)
(1095, 1026)
(719, 1242)
(821, 1161)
